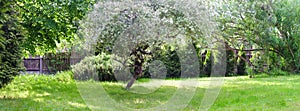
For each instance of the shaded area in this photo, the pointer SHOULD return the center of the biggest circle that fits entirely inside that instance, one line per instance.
(140, 101)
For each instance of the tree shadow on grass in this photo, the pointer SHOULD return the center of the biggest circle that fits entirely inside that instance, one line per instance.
(160, 96)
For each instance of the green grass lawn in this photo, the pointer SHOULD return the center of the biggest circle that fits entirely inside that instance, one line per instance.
(32, 92)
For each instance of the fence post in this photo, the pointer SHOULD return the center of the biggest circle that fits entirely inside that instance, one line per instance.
(41, 64)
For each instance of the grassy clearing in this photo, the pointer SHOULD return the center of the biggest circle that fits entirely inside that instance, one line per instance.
(280, 93)
(31, 92)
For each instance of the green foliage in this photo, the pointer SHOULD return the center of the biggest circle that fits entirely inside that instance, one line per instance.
(148, 29)
(272, 26)
(231, 63)
(50, 22)
(170, 59)
(241, 65)
(64, 76)
(57, 61)
(278, 72)
(271, 73)
(11, 37)
(259, 60)
(38, 81)
(94, 67)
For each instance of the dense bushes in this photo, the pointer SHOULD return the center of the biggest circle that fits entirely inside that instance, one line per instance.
(268, 63)
(170, 60)
(64, 76)
(234, 66)
(94, 67)
(57, 62)
(10, 40)
(100, 67)
(40, 82)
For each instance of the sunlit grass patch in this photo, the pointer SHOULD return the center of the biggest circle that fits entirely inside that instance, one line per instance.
(41, 92)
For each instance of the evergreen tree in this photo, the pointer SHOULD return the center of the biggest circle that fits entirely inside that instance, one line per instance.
(11, 37)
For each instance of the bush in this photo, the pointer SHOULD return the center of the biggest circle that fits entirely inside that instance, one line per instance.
(39, 82)
(57, 62)
(170, 59)
(94, 67)
(10, 40)
(278, 72)
(64, 76)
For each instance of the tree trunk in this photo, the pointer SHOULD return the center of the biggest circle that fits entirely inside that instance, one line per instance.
(137, 73)
(138, 64)
(130, 83)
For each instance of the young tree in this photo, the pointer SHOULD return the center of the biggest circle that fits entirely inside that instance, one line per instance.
(135, 32)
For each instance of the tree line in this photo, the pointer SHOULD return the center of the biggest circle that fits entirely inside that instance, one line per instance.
(268, 29)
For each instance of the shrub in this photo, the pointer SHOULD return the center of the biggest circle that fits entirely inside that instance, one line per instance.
(94, 67)
(57, 62)
(170, 59)
(10, 39)
(278, 72)
(64, 76)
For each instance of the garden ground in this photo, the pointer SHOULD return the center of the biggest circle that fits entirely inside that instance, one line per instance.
(33, 92)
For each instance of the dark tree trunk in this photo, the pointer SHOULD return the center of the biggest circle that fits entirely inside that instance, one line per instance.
(138, 64)
(130, 83)
(137, 73)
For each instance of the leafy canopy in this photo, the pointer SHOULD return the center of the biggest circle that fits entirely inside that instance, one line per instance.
(50, 22)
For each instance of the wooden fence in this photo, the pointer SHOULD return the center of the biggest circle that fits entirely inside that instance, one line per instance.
(34, 64)
(50, 63)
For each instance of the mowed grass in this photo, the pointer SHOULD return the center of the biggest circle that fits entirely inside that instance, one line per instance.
(33, 92)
